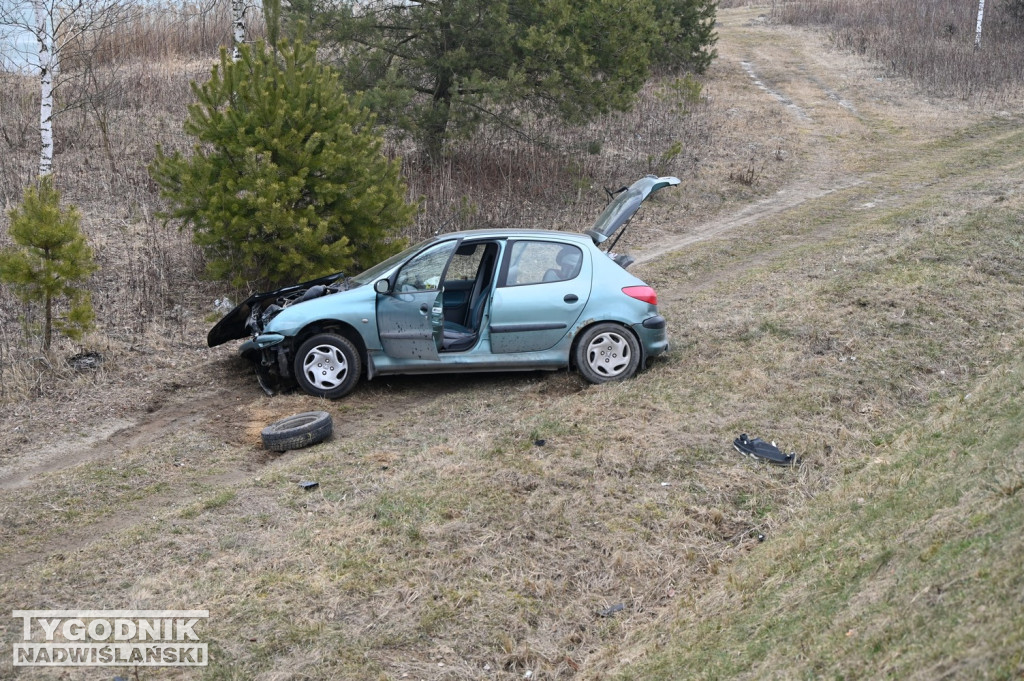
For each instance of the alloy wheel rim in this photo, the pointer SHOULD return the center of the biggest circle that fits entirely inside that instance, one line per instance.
(325, 367)
(608, 354)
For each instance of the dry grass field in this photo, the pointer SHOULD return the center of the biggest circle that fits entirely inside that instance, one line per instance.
(842, 272)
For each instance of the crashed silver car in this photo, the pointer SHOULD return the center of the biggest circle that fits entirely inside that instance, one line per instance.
(482, 300)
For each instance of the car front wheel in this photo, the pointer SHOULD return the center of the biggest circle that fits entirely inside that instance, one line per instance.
(607, 352)
(327, 365)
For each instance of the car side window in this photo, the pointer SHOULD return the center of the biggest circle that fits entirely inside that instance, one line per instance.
(538, 262)
(424, 272)
(466, 262)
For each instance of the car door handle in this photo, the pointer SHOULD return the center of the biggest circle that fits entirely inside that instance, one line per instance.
(424, 308)
(571, 298)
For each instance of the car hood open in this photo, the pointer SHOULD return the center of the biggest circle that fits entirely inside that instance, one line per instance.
(235, 324)
(625, 205)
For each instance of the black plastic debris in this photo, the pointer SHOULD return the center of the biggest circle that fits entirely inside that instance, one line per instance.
(608, 612)
(308, 484)
(763, 451)
(540, 443)
(85, 361)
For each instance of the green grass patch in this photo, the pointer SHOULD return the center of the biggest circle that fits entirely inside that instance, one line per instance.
(905, 566)
(218, 500)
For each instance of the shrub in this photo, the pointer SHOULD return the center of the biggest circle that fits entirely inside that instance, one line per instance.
(288, 180)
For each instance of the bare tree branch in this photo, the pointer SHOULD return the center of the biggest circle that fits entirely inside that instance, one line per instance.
(64, 31)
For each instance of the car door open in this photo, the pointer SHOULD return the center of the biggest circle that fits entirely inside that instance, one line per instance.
(410, 317)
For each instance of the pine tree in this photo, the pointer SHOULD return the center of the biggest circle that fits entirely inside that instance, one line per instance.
(287, 181)
(50, 260)
(686, 35)
(440, 69)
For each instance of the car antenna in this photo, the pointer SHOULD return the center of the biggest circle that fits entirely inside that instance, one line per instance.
(443, 225)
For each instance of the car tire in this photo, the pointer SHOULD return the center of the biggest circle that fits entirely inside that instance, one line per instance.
(607, 352)
(298, 431)
(328, 365)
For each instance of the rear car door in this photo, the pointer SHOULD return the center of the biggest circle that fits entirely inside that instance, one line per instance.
(543, 288)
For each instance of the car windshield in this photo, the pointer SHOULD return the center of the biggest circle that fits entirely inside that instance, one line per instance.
(379, 269)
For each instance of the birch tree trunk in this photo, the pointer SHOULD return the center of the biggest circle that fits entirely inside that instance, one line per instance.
(47, 63)
(977, 32)
(71, 24)
(238, 14)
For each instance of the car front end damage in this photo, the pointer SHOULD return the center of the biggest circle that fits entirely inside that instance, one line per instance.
(271, 357)
(267, 348)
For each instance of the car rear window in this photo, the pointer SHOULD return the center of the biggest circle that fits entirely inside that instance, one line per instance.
(540, 262)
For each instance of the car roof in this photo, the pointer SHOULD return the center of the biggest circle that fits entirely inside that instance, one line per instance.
(619, 211)
(517, 233)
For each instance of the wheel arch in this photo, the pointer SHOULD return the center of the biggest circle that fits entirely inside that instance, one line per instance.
(336, 327)
(582, 329)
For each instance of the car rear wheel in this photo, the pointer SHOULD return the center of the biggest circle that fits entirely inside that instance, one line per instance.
(607, 352)
(327, 365)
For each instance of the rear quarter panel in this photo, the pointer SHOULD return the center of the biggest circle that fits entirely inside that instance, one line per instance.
(607, 301)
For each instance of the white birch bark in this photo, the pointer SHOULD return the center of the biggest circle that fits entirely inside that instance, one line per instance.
(55, 25)
(977, 32)
(46, 67)
(238, 15)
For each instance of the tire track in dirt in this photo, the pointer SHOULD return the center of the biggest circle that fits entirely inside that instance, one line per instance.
(835, 131)
(748, 68)
(888, 186)
(80, 537)
(740, 53)
(792, 197)
(207, 412)
(191, 413)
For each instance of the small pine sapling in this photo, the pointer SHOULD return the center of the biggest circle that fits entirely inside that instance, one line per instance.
(49, 261)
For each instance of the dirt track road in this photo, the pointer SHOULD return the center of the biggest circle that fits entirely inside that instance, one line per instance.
(840, 120)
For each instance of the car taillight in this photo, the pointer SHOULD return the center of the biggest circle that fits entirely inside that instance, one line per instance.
(644, 293)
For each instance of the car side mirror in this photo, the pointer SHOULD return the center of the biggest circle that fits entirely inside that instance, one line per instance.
(382, 286)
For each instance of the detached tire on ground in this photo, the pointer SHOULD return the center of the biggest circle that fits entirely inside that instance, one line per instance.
(298, 431)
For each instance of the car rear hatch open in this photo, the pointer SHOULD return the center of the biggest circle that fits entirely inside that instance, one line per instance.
(625, 205)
